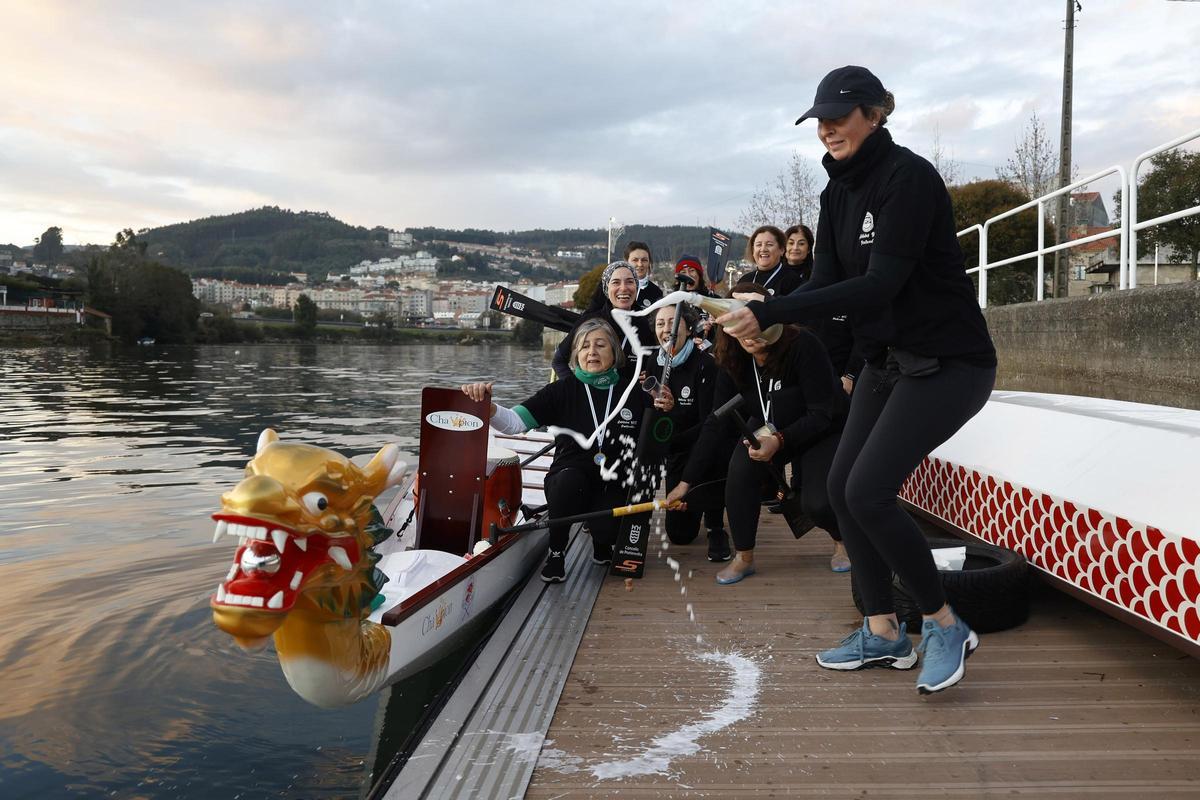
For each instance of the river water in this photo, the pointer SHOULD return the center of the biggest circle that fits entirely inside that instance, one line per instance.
(117, 683)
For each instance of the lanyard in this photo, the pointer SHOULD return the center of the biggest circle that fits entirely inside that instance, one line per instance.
(771, 278)
(598, 431)
(766, 407)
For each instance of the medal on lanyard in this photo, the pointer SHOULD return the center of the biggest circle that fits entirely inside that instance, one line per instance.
(598, 431)
(767, 282)
(766, 407)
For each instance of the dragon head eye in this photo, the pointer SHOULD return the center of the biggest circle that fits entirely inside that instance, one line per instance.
(315, 502)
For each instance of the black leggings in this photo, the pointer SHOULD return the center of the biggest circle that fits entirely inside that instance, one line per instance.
(743, 487)
(574, 490)
(683, 526)
(887, 435)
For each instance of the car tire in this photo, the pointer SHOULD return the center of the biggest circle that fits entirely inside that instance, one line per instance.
(990, 593)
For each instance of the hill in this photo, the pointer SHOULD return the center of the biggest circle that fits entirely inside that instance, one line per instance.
(252, 245)
(667, 242)
(263, 245)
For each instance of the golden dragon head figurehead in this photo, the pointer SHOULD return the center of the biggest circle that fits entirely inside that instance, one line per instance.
(305, 524)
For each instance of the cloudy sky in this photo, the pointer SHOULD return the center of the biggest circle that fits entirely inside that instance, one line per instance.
(533, 114)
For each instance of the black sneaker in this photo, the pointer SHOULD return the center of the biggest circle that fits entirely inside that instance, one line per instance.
(555, 570)
(718, 546)
(601, 553)
(775, 508)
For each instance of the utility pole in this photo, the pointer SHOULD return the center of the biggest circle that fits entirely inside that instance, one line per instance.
(1064, 150)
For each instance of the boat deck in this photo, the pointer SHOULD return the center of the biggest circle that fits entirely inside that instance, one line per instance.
(1071, 704)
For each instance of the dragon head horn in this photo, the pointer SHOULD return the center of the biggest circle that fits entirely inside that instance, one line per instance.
(386, 469)
(265, 438)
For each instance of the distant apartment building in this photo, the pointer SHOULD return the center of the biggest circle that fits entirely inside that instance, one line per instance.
(1087, 210)
(416, 304)
(470, 302)
(562, 293)
(420, 263)
(572, 254)
(399, 240)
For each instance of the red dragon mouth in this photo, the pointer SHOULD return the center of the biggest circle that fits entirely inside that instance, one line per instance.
(272, 562)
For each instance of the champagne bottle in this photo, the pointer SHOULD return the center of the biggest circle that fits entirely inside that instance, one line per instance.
(716, 306)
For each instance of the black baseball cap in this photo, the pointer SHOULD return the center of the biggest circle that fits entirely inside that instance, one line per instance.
(841, 90)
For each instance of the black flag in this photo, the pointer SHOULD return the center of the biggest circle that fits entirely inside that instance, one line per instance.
(718, 255)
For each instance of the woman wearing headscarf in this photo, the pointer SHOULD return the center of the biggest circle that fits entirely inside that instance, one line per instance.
(619, 287)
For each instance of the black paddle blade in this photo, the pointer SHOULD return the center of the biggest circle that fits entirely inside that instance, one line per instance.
(799, 522)
(507, 301)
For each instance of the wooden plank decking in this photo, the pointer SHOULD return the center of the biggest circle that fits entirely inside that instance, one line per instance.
(1071, 704)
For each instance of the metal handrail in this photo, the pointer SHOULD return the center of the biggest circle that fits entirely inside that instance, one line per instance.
(1042, 249)
(1126, 231)
(1134, 224)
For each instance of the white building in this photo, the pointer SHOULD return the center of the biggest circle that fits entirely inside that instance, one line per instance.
(399, 240)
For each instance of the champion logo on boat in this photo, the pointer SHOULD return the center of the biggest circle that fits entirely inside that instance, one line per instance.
(454, 421)
(685, 392)
(868, 223)
(626, 414)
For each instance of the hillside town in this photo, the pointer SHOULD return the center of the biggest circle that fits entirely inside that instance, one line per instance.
(403, 289)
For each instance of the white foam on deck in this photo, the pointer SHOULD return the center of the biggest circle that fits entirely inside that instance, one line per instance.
(738, 705)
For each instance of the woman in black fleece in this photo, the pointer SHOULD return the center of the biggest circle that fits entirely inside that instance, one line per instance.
(789, 385)
(692, 381)
(887, 254)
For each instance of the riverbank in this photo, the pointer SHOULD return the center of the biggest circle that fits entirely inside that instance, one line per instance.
(258, 332)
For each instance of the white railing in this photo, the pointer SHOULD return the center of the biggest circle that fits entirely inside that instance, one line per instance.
(1126, 232)
(1135, 225)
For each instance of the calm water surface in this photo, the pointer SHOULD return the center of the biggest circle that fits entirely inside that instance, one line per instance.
(111, 461)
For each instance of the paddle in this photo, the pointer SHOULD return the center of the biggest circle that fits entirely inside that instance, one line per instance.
(696, 498)
(653, 447)
(509, 302)
(789, 501)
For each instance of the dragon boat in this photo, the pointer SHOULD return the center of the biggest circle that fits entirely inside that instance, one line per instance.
(1098, 495)
(356, 598)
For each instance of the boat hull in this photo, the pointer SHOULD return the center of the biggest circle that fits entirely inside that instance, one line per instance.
(1094, 493)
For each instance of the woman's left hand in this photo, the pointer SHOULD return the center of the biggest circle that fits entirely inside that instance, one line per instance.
(768, 446)
(740, 324)
(665, 400)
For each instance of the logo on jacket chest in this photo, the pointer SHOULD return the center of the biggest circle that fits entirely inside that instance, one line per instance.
(867, 236)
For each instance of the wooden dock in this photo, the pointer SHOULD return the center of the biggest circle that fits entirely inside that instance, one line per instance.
(1071, 704)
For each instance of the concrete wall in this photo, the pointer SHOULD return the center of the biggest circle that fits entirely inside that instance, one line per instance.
(1141, 345)
(34, 320)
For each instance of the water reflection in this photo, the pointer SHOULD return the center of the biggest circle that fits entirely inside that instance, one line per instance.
(111, 461)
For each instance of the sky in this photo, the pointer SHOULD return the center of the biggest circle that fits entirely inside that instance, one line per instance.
(523, 115)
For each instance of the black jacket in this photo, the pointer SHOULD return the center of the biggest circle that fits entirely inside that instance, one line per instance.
(778, 281)
(806, 403)
(887, 254)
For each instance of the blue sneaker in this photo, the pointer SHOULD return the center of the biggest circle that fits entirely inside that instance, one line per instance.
(864, 649)
(946, 651)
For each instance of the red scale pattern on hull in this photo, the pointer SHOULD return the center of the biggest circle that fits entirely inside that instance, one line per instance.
(1132, 565)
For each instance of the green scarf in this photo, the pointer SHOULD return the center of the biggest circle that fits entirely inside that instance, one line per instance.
(601, 380)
